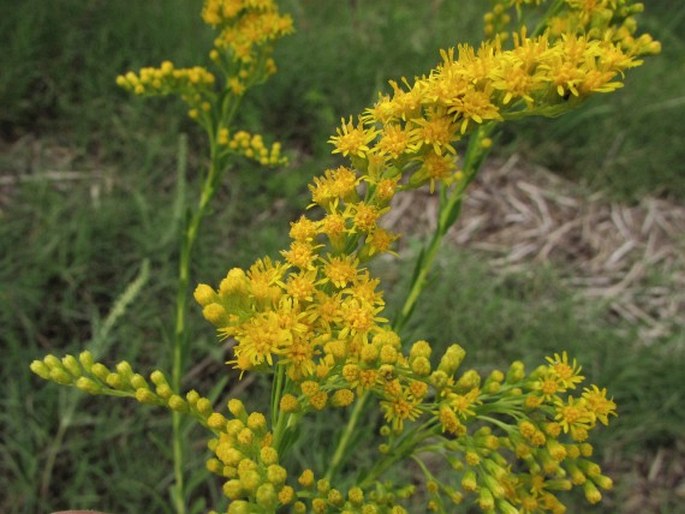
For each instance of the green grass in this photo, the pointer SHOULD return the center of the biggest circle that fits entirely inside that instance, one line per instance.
(66, 256)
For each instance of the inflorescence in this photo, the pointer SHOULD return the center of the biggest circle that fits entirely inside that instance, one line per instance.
(315, 319)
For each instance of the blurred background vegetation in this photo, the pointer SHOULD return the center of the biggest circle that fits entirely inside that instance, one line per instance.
(89, 178)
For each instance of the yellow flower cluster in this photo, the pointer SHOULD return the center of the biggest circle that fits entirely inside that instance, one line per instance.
(194, 85)
(610, 20)
(244, 454)
(417, 127)
(321, 307)
(317, 315)
(314, 319)
(481, 426)
(245, 25)
(242, 52)
(251, 146)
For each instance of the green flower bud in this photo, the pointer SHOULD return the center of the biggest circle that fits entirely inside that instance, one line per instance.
(61, 376)
(204, 407)
(452, 359)
(485, 499)
(335, 497)
(506, 508)
(100, 370)
(88, 385)
(516, 372)
(250, 480)
(138, 381)
(158, 378)
(323, 486)
(276, 474)
(468, 481)
(603, 481)
(439, 379)
(41, 369)
(239, 507)
(164, 391)
(71, 364)
(124, 369)
(233, 489)
(146, 396)
(86, 360)
(266, 496)
(356, 496)
(268, 455)
(421, 366)
(114, 381)
(214, 466)
(192, 396)
(52, 362)
(592, 494)
(469, 380)
(176, 403)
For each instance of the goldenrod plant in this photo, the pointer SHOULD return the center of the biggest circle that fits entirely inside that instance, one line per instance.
(314, 322)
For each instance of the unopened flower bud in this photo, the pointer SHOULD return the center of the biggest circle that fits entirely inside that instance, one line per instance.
(266, 497)
(233, 489)
(452, 359)
(204, 407)
(158, 378)
(61, 376)
(204, 295)
(86, 360)
(236, 407)
(146, 396)
(177, 404)
(114, 381)
(72, 365)
(137, 381)
(516, 372)
(41, 369)
(88, 385)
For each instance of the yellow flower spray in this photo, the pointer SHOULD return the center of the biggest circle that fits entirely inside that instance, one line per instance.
(314, 321)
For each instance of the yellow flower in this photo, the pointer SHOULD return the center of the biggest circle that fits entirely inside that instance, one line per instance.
(352, 140)
(566, 373)
(435, 130)
(301, 286)
(301, 254)
(303, 229)
(298, 356)
(340, 271)
(260, 338)
(597, 402)
(394, 141)
(364, 216)
(399, 409)
(573, 414)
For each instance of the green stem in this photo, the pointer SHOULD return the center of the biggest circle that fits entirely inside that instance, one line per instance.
(450, 207)
(346, 436)
(278, 418)
(400, 452)
(54, 449)
(180, 333)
